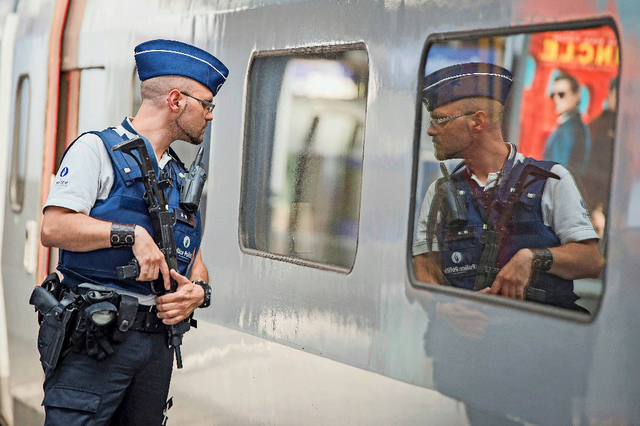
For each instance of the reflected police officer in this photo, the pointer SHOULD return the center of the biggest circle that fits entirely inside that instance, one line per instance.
(519, 243)
(97, 216)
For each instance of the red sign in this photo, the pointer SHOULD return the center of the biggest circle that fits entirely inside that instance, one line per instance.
(591, 56)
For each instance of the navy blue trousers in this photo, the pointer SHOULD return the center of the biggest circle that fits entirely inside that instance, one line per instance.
(129, 387)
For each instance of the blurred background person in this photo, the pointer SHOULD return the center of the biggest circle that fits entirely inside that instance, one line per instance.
(597, 179)
(569, 143)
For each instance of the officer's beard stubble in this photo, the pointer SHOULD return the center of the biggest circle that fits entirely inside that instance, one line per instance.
(184, 130)
(441, 154)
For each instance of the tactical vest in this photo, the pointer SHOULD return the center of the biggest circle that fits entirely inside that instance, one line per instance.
(461, 250)
(125, 204)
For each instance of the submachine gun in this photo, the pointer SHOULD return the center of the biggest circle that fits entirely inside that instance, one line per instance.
(494, 236)
(162, 221)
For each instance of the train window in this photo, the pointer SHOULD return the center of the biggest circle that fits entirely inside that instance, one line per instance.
(549, 97)
(67, 126)
(136, 96)
(304, 145)
(20, 143)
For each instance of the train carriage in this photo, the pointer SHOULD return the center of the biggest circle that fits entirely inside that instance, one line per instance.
(318, 161)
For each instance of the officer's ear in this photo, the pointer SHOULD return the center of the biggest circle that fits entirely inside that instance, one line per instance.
(478, 121)
(174, 100)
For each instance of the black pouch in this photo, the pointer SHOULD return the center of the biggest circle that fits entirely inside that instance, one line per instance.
(126, 316)
(99, 319)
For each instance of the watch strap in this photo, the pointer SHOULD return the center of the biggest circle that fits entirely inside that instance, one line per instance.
(207, 293)
(542, 259)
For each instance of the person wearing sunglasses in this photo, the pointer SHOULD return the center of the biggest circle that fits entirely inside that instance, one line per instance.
(547, 240)
(569, 143)
(97, 215)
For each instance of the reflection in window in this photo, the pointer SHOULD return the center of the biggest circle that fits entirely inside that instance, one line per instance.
(561, 107)
(20, 142)
(303, 156)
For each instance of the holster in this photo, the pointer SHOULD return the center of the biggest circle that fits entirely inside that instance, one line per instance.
(55, 326)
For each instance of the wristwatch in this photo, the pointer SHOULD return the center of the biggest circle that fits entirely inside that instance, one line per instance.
(207, 293)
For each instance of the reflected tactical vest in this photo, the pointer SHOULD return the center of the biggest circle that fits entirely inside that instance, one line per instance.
(460, 251)
(125, 204)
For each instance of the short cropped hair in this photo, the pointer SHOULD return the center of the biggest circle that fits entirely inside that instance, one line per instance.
(575, 86)
(156, 89)
(493, 108)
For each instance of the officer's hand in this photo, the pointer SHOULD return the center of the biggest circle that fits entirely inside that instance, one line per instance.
(512, 280)
(174, 307)
(150, 258)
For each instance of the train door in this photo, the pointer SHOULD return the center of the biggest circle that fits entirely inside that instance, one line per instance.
(9, 24)
(31, 141)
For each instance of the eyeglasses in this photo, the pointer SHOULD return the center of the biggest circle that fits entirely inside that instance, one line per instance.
(209, 106)
(439, 121)
(558, 94)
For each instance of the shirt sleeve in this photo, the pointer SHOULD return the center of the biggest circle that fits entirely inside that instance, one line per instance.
(564, 210)
(77, 183)
(420, 243)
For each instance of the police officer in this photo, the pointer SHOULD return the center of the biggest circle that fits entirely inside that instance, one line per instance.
(548, 240)
(97, 216)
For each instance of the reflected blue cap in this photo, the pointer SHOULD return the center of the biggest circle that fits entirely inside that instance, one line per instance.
(169, 57)
(466, 80)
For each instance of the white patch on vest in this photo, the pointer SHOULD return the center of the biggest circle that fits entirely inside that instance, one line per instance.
(185, 255)
(186, 242)
(460, 269)
(456, 257)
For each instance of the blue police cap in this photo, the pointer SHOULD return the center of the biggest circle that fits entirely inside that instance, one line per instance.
(466, 80)
(169, 57)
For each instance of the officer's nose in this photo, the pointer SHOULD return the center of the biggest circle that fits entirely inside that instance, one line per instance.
(432, 131)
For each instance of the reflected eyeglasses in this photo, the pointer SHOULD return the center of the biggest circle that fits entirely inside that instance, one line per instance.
(558, 94)
(439, 121)
(205, 104)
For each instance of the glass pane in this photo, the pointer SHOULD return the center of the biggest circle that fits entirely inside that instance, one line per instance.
(136, 96)
(560, 108)
(20, 142)
(303, 156)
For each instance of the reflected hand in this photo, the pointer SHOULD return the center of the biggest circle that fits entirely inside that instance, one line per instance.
(462, 319)
(174, 307)
(512, 280)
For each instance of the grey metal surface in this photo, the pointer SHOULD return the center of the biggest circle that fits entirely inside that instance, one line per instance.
(528, 364)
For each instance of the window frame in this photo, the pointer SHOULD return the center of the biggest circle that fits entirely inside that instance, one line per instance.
(17, 192)
(297, 52)
(443, 37)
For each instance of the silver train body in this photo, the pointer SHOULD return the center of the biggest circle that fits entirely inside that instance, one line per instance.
(291, 338)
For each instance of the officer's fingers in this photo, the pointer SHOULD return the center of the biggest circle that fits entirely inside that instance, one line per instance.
(496, 287)
(164, 268)
(174, 320)
(180, 279)
(145, 273)
(167, 304)
(511, 292)
(172, 316)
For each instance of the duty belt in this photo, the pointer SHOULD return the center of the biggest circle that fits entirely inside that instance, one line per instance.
(132, 316)
(147, 321)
